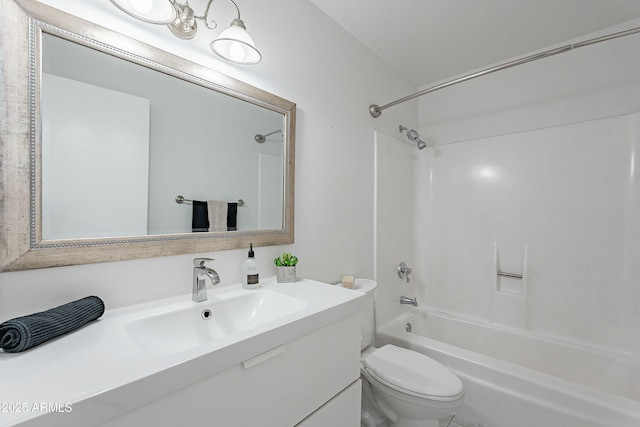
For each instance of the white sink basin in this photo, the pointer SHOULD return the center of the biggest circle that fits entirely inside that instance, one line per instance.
(184, 326)
(163, 346)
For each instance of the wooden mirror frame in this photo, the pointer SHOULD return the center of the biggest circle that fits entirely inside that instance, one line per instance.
(22, 23)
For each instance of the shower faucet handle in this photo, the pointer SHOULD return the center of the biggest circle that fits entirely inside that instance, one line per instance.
(404, 271)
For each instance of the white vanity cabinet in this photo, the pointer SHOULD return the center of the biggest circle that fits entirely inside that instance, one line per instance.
(310, 381)
(342, 410)
(286, 354)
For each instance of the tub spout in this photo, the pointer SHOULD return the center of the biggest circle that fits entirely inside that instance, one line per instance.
(407, 300)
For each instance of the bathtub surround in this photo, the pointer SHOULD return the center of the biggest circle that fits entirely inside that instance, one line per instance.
(568, 194)
(559, 200)
(533, 173)
(394, 222)
(529, 172)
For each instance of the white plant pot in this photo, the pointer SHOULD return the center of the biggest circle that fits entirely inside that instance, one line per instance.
(286, 274)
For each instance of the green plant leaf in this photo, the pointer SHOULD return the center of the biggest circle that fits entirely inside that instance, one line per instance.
(286, 260)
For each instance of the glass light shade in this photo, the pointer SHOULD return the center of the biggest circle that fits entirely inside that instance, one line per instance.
(151, 11)
(236, 45)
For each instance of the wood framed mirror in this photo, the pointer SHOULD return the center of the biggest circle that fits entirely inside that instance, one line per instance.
(101, 133)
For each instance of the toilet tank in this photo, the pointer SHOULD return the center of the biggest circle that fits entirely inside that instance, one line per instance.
(367, 328)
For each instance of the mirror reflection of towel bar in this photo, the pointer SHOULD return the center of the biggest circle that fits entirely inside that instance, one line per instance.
(505, 274)
(181, 200)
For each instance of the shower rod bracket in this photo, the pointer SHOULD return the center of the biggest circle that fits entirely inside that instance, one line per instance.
(375, 110)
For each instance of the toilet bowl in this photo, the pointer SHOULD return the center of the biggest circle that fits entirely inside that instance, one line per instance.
(406, 387)
(411, 389)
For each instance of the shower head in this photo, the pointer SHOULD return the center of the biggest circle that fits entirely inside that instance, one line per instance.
(413, 136)
(262, 138)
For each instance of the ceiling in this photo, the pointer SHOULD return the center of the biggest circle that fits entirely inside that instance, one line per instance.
(431, 40)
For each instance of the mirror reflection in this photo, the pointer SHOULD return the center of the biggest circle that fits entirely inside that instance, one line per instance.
(120, 142)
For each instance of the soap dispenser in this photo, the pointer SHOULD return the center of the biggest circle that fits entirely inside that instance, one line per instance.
(250, 276)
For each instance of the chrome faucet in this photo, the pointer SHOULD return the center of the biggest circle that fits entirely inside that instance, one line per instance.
(410, 301)
(200, 273)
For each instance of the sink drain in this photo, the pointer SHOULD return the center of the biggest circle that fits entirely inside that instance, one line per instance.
(206, 314)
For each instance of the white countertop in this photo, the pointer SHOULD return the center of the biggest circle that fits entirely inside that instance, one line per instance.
(99, 371)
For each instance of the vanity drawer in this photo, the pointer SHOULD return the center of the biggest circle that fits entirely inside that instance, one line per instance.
(341, 411)
(277, 388)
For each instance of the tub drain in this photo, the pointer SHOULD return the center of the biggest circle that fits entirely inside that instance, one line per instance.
(409, 327)
(206, 314)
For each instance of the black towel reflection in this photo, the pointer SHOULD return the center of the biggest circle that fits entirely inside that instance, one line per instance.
(200, 217)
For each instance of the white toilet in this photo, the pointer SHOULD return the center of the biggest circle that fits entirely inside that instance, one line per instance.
(407, 388)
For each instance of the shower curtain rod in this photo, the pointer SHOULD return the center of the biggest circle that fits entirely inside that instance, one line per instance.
(376, 110)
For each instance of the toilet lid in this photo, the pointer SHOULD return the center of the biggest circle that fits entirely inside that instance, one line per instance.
(413, 373)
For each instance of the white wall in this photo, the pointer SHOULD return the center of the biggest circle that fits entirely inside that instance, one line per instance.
(539, 162)
(332, 78)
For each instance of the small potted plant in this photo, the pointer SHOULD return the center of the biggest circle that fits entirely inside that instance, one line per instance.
(286, 267)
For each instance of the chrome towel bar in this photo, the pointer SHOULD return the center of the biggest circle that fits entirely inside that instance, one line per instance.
(181, 200)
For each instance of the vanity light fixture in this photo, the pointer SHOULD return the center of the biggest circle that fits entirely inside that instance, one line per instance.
(234, 44)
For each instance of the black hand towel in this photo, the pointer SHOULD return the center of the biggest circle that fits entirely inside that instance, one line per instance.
(24, 332)
(232, 212)
(200, 217)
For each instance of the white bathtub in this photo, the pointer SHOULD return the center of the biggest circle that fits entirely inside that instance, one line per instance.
(514, 379)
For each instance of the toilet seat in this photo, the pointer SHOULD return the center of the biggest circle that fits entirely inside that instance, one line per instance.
(413, 373)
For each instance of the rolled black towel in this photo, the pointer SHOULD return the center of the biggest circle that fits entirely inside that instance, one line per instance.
(24, 332)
